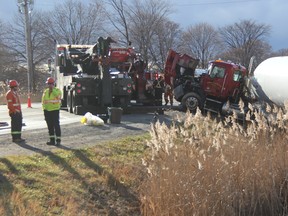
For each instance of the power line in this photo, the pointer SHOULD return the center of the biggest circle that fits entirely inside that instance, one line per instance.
(220, 2)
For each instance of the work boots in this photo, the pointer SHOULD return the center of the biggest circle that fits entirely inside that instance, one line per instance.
(18, 140)
(51, 142)
(58, 142)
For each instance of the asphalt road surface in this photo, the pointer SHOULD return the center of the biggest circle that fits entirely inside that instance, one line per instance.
(74, 133)
(33, 118)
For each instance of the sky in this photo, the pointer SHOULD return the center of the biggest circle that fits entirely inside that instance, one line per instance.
(218, 13)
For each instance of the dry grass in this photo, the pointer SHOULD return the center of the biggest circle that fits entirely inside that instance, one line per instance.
(205, 167)
(102, 180)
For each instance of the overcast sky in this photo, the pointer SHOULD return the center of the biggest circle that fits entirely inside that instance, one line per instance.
(216, 12)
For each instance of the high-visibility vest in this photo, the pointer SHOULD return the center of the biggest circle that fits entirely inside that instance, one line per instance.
(158, 84)
(51, 101)
(13, 102)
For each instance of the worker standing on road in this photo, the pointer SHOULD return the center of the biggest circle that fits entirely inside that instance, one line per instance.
(51, 103)
(14, 106)
(158, 86)
(168, 95)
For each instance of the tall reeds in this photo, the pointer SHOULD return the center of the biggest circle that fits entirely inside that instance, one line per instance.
(203, 166)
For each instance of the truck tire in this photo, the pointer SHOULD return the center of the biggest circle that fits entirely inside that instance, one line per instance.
(64, 99)
(76, 101)
(191, 101)
(69, 101)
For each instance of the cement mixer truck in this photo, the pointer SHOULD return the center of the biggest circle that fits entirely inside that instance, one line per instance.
(225, 84)
(270, 80)
(267, 85)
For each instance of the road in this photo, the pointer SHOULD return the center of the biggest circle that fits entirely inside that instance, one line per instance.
(33, 118)
(74, 134)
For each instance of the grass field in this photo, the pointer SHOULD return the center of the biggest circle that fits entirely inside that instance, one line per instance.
(103, 180)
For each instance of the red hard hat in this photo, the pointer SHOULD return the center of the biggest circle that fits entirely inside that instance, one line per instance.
(13, 83)
(50, 80)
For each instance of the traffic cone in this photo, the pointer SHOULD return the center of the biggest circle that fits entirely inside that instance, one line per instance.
(29, 102)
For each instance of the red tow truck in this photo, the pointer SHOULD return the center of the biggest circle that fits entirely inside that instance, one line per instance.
(94, 77)
(223, 82)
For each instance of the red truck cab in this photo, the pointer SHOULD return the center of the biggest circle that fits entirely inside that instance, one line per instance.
(224, 80)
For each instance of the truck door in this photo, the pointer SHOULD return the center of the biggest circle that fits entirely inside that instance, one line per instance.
(234, 87)
(214, 82)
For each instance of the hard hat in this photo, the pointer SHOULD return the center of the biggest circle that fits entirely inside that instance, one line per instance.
(13, 83)
(50, 80)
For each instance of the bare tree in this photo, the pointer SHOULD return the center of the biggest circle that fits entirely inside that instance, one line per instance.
(145, 17)
(281, 52)
(72, 22)
(118, 18)
(243, 39)
(4, 52)
(166, 36)
(7, 62)
(201, 41)
(263, 52)
(14, 41)
(147, 25)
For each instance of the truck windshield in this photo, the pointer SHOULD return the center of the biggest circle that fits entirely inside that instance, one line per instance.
(218, 72)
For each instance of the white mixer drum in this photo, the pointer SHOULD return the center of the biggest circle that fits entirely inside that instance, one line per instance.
(272, 76)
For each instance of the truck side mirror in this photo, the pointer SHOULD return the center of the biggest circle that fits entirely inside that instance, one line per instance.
(61, 60)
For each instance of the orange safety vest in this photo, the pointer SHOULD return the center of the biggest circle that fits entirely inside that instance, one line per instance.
(13, 102)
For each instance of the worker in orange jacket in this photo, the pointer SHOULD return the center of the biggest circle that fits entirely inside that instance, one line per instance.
(14, 106)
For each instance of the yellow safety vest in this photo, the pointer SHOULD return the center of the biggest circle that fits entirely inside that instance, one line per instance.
(51, 101)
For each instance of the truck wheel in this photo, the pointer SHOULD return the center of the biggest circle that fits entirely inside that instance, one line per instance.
(191, 101)
(125, 101)
(117, 101)
(76, 101)
(64, 99)
(69, 102)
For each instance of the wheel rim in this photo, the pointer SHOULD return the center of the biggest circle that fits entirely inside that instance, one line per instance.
(192, 103)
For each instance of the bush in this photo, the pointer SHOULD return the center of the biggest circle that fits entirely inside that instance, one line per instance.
(206, 167)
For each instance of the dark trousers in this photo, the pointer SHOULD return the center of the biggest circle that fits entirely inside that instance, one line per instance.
(53, 124)
(158, 96)
(16, 125)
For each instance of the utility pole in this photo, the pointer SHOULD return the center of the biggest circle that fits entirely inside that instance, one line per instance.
(26, 7)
